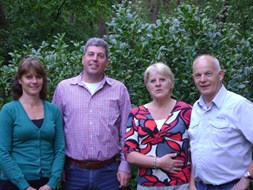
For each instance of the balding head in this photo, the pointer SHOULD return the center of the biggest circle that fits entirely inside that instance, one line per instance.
(208, 59)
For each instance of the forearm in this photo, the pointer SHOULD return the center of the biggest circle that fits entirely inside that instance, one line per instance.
(250, 168)
(141, 160)
(192, 181)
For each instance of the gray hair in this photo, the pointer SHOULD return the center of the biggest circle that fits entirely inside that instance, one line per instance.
(97, 42)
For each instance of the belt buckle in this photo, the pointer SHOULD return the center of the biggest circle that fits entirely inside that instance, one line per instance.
(92, 165)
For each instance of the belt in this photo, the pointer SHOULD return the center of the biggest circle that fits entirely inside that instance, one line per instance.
(91, 164)
(219, 186)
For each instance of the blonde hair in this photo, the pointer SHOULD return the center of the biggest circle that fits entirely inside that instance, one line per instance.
(161, 68)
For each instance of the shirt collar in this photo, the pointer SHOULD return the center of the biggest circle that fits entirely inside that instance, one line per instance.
(78, 80)
(218, 99)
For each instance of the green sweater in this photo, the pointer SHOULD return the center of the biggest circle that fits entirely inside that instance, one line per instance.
(28, 152)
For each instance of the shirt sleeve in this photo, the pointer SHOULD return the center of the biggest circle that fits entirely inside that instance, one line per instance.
(8, 165)
(245, 120)
(125, 110)
(57, 99)
(59, 151)
(131, 136)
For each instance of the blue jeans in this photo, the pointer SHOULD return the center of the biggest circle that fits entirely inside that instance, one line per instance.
(201, 186)
(77, 178)
(7, 185)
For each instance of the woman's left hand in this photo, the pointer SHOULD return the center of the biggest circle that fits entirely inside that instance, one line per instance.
(45, 187)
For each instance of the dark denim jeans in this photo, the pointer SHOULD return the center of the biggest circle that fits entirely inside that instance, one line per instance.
(7, 185)
(77, 178)
(201, 186)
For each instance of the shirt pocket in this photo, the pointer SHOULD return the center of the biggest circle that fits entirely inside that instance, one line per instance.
(108, 111)
(219, 130)
(193, 130)
(114, 112)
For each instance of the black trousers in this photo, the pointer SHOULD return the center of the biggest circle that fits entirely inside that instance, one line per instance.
(7, 185)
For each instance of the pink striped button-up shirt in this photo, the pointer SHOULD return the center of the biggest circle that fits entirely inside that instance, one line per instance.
(94, 125)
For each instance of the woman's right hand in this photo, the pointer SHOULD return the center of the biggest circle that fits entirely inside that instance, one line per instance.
(169, 164)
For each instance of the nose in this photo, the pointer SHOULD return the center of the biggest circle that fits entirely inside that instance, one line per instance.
(157, 82)
(34, 79)
(203, 78)
(95, 57)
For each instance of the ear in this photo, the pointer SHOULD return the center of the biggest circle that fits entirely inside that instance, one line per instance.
(221, 75)
(172, 86)
(83, 59)
(107, 62)
(147, 87)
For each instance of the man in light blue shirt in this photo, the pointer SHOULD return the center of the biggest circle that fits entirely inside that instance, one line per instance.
(221, 132)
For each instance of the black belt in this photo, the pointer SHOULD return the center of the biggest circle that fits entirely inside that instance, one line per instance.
(222, 185)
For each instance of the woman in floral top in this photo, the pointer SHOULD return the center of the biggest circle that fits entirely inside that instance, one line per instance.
(157, 138)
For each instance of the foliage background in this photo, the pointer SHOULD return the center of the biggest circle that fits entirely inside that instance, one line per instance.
(176, 36)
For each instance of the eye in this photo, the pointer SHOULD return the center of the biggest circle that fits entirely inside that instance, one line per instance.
(197, 75)
(38, 77)
(90, 54)
(101, 56)
(209, 74)
(152, 81)
(29, 76)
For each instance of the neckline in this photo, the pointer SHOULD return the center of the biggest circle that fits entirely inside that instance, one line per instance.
(31, 120)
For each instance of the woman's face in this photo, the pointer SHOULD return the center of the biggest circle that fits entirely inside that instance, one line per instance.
(31, 83)
(159, 86)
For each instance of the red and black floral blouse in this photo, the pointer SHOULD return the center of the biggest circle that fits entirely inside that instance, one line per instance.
(142, 135)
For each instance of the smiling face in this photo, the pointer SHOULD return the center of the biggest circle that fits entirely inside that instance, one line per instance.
(94, 62)
(158, 85)
(31, 83)
(207, 77)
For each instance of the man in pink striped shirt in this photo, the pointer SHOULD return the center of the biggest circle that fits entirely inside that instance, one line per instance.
(95, 110)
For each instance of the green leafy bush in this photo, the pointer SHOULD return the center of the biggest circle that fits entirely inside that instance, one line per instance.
(60, 59)
(177, 41)
(134, 45)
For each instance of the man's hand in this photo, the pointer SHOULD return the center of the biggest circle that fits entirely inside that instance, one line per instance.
(243, 184)
(123, 178)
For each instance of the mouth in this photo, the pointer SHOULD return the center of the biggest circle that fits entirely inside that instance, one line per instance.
(204, 87)
(93, 66)
(158, 90)
(34, 87)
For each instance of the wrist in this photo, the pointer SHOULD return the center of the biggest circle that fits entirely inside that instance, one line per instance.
(248, 175)
(155, 163)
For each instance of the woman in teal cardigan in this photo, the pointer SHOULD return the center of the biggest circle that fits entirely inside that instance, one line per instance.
(31, 129)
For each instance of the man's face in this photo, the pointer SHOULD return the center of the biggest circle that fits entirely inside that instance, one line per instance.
(95, 61)
(207, 78)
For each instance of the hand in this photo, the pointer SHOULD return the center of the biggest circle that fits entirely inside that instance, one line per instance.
(169, 164)
(123, 178)
(192, 187)
(243, 184)
(45, 187)
(63, 176)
